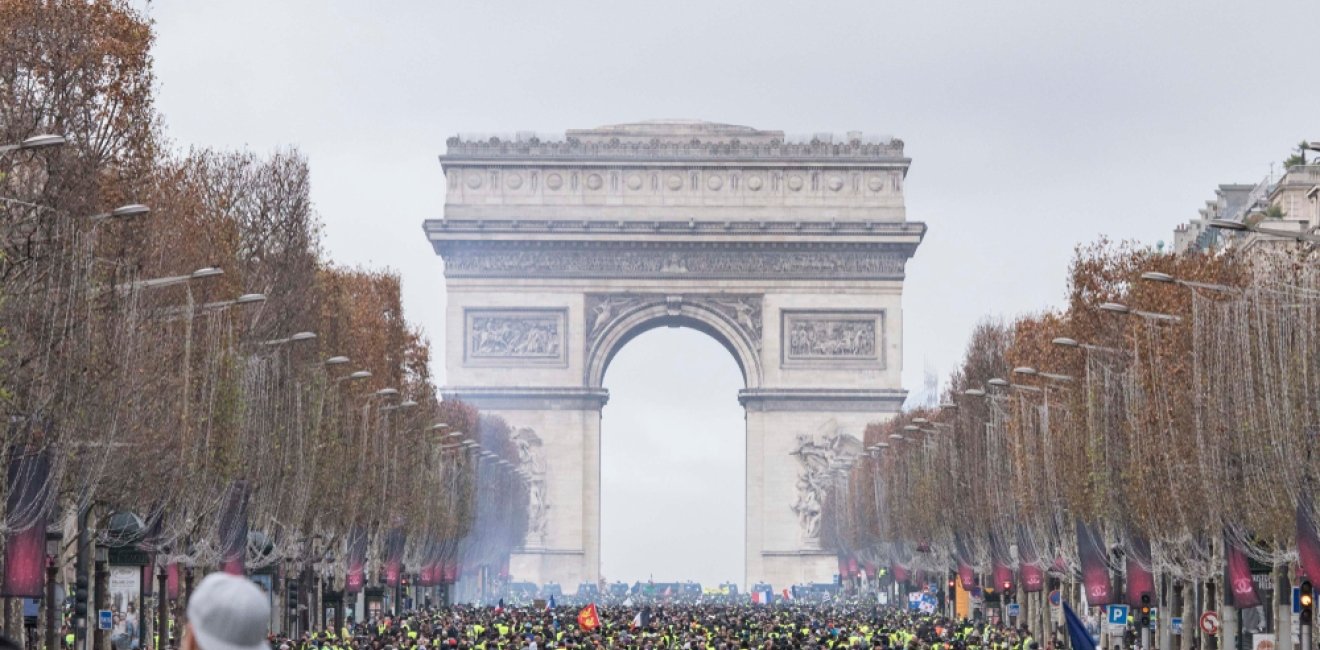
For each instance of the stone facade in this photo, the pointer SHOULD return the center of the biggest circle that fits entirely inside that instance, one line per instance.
(791, 254)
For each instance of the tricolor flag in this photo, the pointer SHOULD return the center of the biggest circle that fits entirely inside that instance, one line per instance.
(500, 607)
(643, 619)
(550, 604)
(589, 618)
(786, 596)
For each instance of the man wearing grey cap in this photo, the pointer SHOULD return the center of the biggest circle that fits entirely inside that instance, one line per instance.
(226, 612)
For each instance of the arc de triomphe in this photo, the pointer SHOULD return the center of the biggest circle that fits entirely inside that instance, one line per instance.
(791, 254)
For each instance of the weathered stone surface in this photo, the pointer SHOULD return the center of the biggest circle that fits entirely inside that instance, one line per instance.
(559, 250)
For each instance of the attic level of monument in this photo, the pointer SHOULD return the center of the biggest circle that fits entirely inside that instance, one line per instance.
(669, 169)
(694, 140)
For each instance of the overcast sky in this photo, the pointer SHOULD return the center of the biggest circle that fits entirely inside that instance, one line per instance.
(1032, 126)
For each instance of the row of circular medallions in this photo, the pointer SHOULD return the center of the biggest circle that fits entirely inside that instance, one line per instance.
(674, 182)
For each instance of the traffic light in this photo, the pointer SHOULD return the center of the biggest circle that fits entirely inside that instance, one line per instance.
(1145, 609)
(1306, 598)
(80, 601)
(291, 595)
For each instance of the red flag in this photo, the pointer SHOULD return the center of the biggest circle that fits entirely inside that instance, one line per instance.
(1033, 579)
(1308, 543)
(27, 502)
(589, 618)
(1139, 579)
(1095, 574)
(1242, 587)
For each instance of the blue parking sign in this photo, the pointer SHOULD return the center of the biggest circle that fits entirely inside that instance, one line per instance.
(1118, 614)
(105, 620)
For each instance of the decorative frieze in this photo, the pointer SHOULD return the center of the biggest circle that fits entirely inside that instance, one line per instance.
(823, 339)
(515, 337)
(639, 260)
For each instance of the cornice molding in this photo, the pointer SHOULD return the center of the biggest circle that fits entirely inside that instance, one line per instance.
(529, 398)
(657, 149)
(749, 228)
(823, 399)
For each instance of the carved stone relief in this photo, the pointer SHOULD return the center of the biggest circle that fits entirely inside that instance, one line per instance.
(831, 337)
(824, 457)
(742, 311)
(515, 336)
(614, 262)
(531, 459)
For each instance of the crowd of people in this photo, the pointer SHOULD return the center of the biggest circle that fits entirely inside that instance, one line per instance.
(706, 626)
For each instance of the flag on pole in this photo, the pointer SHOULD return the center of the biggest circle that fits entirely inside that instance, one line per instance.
(551, 603)
(500, 607)
(589, 618)
(643, 619)
(1077, 634)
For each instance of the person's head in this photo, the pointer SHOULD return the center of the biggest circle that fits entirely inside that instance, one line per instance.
(226, 612)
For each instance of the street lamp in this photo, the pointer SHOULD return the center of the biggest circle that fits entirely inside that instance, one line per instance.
(387, 392)
(997, 382)
(294, 338)
(1240, 226)
(156, 283)
(1156, 276)
(336, 360)
(1116, 308)
(974, 392)
(1066, 342)
(360, 374)
(43, 141)
(123, 212)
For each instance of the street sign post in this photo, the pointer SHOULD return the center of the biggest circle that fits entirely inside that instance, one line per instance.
(1210, 623)
(1118, 615)
(1175, 624)
(1014, 609)
(105, 620)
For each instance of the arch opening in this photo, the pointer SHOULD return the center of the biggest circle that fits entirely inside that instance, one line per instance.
(735, 339)
(673, 459)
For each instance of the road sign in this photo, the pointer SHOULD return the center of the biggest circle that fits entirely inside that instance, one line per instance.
(105, 620)
(1014, 609)
(1297, 600)
(1210, 623)
(1176, 624)
(1055, 598)
(1118, 614)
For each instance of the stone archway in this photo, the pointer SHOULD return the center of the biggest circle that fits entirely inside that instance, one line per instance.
(791, 255)
(613, 319)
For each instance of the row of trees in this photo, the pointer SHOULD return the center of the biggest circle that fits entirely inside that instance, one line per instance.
(1168, 417)
(202, 364)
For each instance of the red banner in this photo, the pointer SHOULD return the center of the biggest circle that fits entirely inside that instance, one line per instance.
(1308, 543)
(1095, 574)
(1241, 588)
(1139, 579)
(233, 529)
(356, 576)
(966, 575)
(172, 581)
(1033, 578)
(25, 545)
